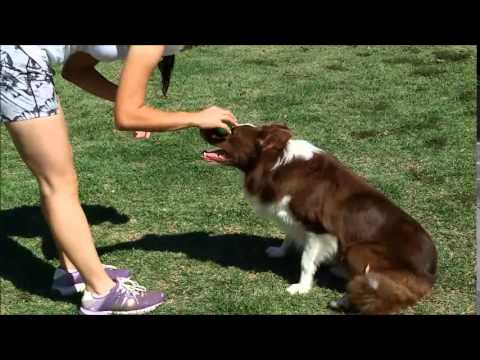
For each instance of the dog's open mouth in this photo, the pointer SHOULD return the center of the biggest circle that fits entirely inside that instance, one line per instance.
(216, 156)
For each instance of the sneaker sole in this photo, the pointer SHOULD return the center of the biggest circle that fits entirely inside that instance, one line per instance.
(84, 311)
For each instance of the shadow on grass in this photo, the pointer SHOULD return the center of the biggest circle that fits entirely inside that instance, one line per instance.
(32, 275)
(27, 272)
(243, 251)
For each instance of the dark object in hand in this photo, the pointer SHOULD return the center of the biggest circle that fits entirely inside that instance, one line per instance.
(166, 67)
(221, 132)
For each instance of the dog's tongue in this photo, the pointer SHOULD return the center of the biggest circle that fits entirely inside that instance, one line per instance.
(212, 156)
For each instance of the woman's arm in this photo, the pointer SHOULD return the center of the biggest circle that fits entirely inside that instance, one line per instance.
(80, 70)
(131, 112)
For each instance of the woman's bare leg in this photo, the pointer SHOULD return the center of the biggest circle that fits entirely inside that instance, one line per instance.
(44, 146)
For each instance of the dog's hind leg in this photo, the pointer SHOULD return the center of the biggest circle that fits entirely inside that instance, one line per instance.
(318, 249)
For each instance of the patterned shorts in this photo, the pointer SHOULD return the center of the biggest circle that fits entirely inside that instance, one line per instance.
(27, 90)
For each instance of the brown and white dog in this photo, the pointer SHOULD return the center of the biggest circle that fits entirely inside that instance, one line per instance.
(332, 213)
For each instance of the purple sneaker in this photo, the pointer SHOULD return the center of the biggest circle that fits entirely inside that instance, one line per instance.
(126, 297)
(70, 283)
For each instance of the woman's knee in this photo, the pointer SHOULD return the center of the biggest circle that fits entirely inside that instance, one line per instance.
(58, 183)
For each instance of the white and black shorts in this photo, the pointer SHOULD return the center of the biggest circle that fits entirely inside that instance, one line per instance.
(27, 90)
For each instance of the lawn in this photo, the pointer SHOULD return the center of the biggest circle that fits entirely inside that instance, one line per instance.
(401, 116)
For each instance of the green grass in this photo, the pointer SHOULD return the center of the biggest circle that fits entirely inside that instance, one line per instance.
(395, 114)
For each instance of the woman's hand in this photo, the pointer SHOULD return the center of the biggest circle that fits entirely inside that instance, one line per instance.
(214, 117)
(141, 134)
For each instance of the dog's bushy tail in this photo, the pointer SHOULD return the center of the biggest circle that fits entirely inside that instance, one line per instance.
(387, 292)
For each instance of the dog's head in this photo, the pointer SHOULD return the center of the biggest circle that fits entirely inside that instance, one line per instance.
(246, 145)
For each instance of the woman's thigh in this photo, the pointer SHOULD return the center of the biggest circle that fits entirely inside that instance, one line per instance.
(32, 113)
(44, 146)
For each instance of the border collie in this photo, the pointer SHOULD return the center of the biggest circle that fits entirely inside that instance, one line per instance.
(388, 258)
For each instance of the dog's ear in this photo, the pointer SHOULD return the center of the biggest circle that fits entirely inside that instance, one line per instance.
(274, 137)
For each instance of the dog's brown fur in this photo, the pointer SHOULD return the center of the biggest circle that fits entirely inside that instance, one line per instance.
(379, 243)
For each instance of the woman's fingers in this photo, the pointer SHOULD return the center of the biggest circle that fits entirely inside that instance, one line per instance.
(230, 118)
(216, 117)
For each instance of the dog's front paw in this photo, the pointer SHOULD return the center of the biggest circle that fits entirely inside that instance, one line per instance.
(298, 289)
(275, 252)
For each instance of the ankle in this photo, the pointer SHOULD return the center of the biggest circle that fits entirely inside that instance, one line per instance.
(69, 269)
(100, 289)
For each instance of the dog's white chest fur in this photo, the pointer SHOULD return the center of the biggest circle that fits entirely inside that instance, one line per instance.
(317, 248)
(280, 211)
(281, 214)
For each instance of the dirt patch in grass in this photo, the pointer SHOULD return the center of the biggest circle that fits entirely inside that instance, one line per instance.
(336, 67)
(451, 55)
(467, 95)
(415, 172)
(437, 143)
(428, 71)
(432, 121)
(405, 59)
(261, 62)
(364, 53)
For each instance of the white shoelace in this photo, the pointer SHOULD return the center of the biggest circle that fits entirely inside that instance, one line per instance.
(131, 287)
